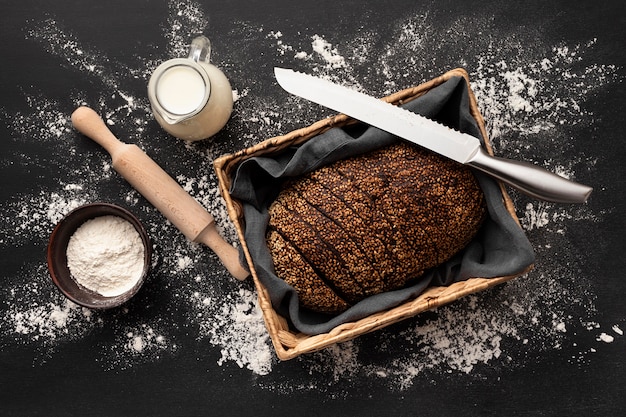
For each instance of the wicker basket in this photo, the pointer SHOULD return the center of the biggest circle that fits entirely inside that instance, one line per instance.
(289, 343)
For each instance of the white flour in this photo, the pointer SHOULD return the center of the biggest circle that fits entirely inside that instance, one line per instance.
(532, 95)
(106, 255)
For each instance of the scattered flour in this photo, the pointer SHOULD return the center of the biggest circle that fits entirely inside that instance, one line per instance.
(606, 338)
(235, 323)
(49, 320)
(321, 49)
(329, 54)
(185, 21)
(531, 96)
(144, 338)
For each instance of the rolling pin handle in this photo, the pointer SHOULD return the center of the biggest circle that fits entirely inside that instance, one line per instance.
(228, 254)
(90, 124)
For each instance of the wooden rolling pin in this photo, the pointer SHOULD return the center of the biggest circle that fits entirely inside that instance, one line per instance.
(147, 177)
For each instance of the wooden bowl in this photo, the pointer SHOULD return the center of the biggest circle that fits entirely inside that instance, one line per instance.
(57, 255)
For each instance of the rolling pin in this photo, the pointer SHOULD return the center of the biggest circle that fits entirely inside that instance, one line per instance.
(147, 177)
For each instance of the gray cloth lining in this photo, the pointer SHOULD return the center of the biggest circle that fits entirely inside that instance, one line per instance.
(500, 248)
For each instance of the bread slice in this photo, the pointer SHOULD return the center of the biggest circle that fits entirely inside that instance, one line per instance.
(346, 224)
(306, 239)
(314, 293)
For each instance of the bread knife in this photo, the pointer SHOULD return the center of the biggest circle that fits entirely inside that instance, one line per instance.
(531, 179)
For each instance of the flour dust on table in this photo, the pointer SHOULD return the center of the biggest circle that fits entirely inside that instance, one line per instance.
(531, 97)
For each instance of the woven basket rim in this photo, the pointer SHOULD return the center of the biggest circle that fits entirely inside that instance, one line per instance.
(288, 343)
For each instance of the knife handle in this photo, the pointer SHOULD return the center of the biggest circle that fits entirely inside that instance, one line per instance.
(531, 179)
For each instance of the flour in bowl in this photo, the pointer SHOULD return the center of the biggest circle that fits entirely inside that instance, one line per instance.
(105, 255)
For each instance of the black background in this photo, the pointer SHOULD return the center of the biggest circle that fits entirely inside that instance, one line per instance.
(70, 376)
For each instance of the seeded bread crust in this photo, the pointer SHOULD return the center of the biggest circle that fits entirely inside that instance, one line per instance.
(305, 239)
(313, 292)
(371, 223)
(372, 248)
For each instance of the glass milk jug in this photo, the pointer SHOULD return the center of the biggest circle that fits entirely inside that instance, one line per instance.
(190, 97)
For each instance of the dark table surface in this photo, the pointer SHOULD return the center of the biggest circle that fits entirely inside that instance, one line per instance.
(549, 77)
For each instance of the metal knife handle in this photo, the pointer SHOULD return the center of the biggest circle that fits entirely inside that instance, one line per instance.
(531, 179)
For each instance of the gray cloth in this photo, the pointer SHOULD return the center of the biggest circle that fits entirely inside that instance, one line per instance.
(499, 249)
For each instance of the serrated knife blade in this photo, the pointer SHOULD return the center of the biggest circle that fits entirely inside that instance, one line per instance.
(461, 147)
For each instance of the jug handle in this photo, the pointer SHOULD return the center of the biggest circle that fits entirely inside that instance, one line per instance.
(200, 50)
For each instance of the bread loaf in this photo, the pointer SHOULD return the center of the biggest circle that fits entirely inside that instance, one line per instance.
(371, 223)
